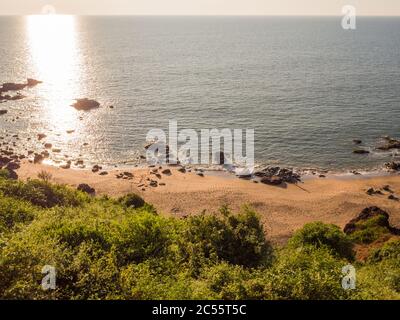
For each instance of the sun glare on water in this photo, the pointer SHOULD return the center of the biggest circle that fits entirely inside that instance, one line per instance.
(54, 53)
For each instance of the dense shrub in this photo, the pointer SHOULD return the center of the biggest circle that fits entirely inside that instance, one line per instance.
(41, 193)
(390, 250)
(237, 239)
(320, 235)
(307, 273)
(132, 201)
(367, 231)
(14, 212)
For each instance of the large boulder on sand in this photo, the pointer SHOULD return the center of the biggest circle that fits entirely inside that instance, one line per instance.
(369, 213)
(86, 188)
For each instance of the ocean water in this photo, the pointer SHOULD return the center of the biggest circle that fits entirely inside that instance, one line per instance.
(306, 86)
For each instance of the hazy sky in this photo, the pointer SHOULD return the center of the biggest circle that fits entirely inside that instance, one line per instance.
(202, 7)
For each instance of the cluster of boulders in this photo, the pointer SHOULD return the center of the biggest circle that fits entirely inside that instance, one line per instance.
(389, 143)
(381, 191)
(125, 175)
(277, 176)
(394, 166)
(10, 161)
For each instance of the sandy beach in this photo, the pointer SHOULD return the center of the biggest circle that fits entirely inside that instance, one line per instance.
(283, 209)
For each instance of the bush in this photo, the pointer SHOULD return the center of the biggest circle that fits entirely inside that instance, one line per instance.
(320, 235)
(142, 236)
(4, 174)
(45, 176)
(132, 201)
(14, 212)
(41, 193)
(237, 239)
(309, 273)
(390, 250)
(368, 231)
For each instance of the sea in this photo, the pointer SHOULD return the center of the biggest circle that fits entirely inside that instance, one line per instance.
(306, 86)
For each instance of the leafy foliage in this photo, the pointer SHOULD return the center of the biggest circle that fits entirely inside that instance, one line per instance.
(320, 235)
(105, 249)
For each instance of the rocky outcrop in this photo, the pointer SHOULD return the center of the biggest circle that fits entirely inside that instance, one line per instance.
(273, 181)
(394, 166)
(369, 213)
(389, 143)
(286, 175)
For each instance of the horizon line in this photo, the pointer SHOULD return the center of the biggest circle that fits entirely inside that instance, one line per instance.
(197, 15)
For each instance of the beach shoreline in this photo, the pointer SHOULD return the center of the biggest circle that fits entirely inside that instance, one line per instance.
(283, 209)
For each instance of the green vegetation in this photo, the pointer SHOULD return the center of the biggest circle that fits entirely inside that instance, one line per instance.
(122, 249)
(320, 235)
(370, 230)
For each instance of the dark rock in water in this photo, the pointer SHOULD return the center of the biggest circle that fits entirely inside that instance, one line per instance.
(200, 174)
(390, 143)
(3, 112)
(48, 145)
(166, 172)
(104, 173)
(41, 136)
(19, 86)
(86, 188)
(395, 166)
(367, 214)
(85, 104)
(357, 141)
(287, 175)
(273, 181)
(38, 158)
(360, 151)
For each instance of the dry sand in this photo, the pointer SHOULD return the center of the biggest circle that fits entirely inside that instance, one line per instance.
(283, 209)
